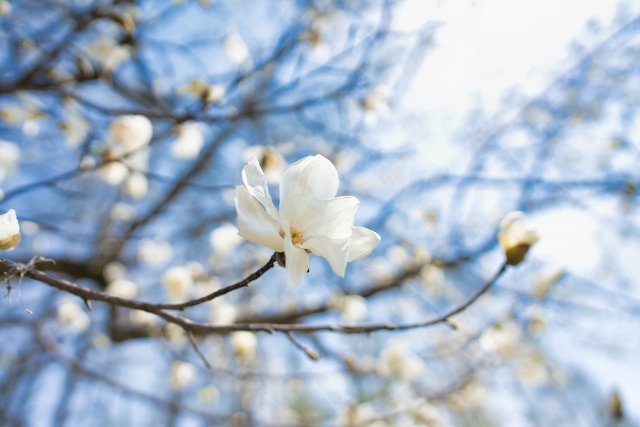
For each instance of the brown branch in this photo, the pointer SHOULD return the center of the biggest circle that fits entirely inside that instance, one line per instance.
(312, 354)
(9, 267)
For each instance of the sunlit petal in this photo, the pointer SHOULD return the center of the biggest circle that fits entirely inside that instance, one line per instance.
(297, 262)
(256, 183)
(313, 176)
(254, 223)
(335, 251)
(362, 242)
(332, 218)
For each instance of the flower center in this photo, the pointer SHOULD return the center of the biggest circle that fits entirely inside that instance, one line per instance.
(297, 238)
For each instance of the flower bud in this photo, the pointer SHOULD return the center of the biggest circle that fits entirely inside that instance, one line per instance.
(9, 231)
(516, 236)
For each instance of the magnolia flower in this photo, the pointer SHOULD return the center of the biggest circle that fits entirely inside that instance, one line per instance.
(9, 231)
(9, 157)
(236, 49)
(130, 133)
(311, 219)
(178, 282)
(182, 374)
(244, 344)
(189, 141)
(109, 53)
(516, 236)
(71, 314)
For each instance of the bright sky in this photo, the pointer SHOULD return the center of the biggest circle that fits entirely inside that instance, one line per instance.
(484, 48)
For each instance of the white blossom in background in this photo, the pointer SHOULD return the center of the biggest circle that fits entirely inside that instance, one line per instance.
(244, 345)
(178, 282)
(533, 370)
(9, 158)
(270, 159)
(5, 8)
(516, 236)
(122, 212)
(175, 335)
(236, 49)
(129, 133)
(222, 313)
(224, 239)
(87, 162)
(210, 93)
(143, 318)
(189, 142)
(353, 307)
(376, 104)
(115, 173)
(182, 374)
(502, 338)
(109, 54)
(154, 252)
(546, 278)
(27, 112)
(136, 185)
(122, 288)
(399, 361)
(71, 314)
(357, 415)
(9, 230)
(311, 219)
(113, 271)
(75, 128)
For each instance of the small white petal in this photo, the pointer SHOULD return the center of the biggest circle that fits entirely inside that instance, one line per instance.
(334, 251)
(253, 222)
(297, 262)
(313, 176)
(9, 230)
(362, 242)
(332, 218)
(256, 183)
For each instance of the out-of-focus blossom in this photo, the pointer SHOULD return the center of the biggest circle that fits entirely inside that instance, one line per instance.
(224, 239)
(359, 415)
(270, 159)
(154, 252)
(122, 288)
(122, 212)
(143, 318)
(75, 129)
(87, 162)
(399, 361)
(310, 219)
(189, 141)
(9, 230)
(182, 374)
(209, 393)
(109, 54)
(175, 335)
(71, 314)
(178, 282)
(244, 344)
(9, 157)
(136, 185)
(113, 271)
(516, 236)
(533, 370)
(236, 49)
(376, 104)
(222, 313)
(210, 93)
(502, 338)
(129, 133)
(353, 307)
(5, 8)
(428, 415)
(115, 173)
(545, 279)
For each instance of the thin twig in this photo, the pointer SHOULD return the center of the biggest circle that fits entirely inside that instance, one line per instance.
(312, 354)
(196, 347)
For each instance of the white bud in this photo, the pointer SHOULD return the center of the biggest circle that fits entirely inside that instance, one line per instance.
(71, 314)
(137, 185)
(178, 282)
(122, 288)
(9, 231)
(182, 374)
(130, 132)
(244, 344)
(516, 236)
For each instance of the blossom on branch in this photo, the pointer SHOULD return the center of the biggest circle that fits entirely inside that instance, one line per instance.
(310, 220)
(516, 236)
(9, 231)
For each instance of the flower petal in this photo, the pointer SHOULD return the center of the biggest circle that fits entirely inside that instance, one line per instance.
(332, 218)
(256, 183)
(296, 262)
(254, 223)
(313, 176)
(335, 251)
(362, 242)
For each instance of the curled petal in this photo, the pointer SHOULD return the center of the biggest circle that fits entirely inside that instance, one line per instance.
(297, 262)
(254, 223)
(362, 242)
(332, 218)
(335, 251)
(256, 183)
(313, 176)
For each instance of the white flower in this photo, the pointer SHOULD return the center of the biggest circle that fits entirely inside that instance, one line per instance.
(178, 282)
(5, 8)
(224, 239)
(182, 374)
(516, 236)
(9, 157)
(353, 307)
(189, 141)
(71, 314)
(75, 129)
(222, 313)
(198, 87)
(154, 252)
(129, 133)
(136, 185)
(109, 53)
(9, 231)
(236, 49)
(311, 218)
(397, 360)
(115, 173)
(122, 288)
(244, 344)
